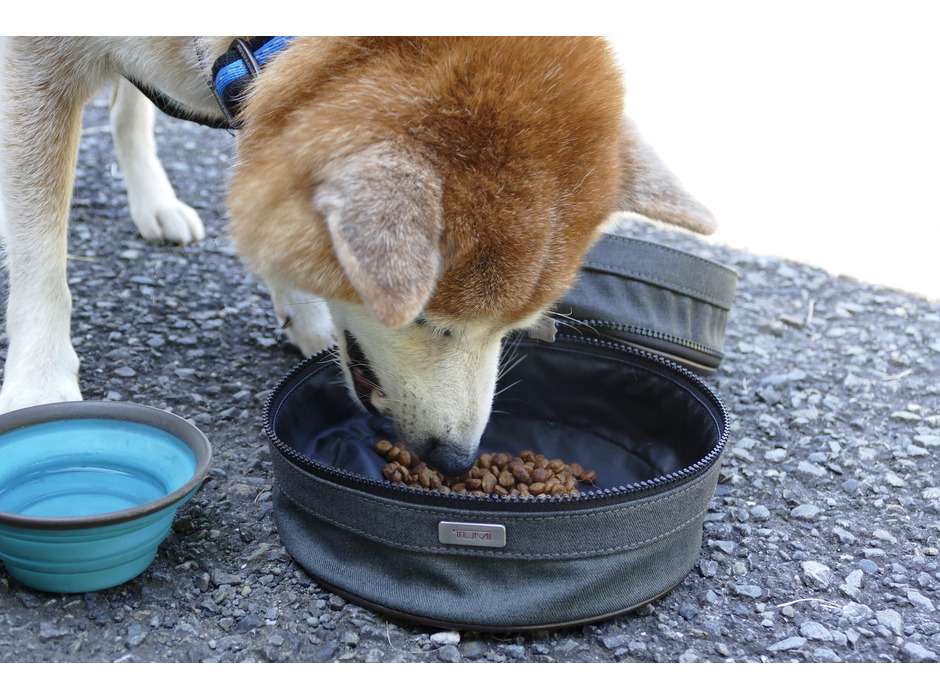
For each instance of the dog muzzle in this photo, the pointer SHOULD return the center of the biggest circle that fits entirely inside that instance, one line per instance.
(365, 383)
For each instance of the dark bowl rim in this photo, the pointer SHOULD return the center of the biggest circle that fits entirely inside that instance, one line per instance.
(666, 369)
(151, 416)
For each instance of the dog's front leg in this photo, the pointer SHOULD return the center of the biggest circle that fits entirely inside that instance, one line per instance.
(159, 215)
(40, 126)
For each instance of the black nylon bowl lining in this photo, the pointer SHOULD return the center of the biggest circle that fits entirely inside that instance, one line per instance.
(630, 420)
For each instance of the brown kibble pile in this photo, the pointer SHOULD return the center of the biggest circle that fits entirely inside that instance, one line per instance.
(526, 475)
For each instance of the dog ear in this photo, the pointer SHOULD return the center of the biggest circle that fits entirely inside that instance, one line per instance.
(383, 208)
(650, 189)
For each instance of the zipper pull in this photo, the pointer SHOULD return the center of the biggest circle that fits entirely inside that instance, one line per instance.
(544, 329)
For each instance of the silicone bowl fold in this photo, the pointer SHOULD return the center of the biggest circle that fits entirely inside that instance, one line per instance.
(89, 490)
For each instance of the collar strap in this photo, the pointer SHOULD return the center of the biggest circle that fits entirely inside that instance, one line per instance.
(234, 70)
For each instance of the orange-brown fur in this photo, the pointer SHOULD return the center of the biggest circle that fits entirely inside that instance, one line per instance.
(524, 134)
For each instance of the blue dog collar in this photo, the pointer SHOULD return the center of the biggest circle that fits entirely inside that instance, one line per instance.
(233, 71)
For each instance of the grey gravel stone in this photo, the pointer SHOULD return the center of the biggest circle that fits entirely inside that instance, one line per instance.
(725, 546)
(473, 650)
(135, 635)
(918, 653)
(708, 567)
(920, 601)
(892, 620)
(760, 512)
(446, 637)
(806, 511)
(884, 536)
(810, 470)
(816, 575)
(222, 578)
(815, 630)
(856, 612)
(449, 653)
(749, 591)
(615, 641)
(326, 652)
(868, 566)
(855, 578)
(788, 644)
(826, 656)
(249, 623)
(50, 630)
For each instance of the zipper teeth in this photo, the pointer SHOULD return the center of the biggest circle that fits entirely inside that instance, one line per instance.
(658, 335)
(642, 488)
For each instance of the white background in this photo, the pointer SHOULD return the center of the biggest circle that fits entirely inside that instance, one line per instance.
(811, 129)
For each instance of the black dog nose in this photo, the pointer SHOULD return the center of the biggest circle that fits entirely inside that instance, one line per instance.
(449, 459)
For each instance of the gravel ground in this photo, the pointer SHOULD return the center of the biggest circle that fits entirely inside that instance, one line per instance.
(821, 543)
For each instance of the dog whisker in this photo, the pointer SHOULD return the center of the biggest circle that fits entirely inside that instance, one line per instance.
(509, 364)
(576, 325)
(510, 358)
(506, 388)
(291, 304)
(301, 303)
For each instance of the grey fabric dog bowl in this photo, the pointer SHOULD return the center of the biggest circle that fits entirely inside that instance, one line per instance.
(653, 432)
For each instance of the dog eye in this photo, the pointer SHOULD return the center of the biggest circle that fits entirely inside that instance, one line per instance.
(437, 330)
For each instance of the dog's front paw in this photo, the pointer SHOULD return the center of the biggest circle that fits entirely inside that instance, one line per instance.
(305, 318)
(167, 220)
(16, 395)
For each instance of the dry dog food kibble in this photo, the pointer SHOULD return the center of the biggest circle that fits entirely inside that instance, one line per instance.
(526, 475)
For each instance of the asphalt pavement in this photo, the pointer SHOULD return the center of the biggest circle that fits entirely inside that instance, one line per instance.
(822, 543)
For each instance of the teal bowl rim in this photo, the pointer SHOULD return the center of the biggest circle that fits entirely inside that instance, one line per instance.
(157, 418)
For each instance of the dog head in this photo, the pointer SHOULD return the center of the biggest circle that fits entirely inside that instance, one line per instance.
(439, 194)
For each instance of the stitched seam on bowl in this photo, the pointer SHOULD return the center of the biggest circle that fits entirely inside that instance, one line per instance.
(696, 259)
(664, 284)
(493, 554)
(481, 517)
(626, 507)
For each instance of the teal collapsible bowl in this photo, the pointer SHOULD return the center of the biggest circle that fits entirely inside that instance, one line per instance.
(88, 490)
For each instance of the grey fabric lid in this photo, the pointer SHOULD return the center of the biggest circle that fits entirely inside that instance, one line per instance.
(653, 297)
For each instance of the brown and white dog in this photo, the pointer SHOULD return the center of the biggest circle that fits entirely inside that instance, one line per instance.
(436, 193)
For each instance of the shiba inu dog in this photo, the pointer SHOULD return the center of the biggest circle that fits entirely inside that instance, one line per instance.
(412, 200)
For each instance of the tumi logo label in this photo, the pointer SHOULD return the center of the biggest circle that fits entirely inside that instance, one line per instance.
(472, 534)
